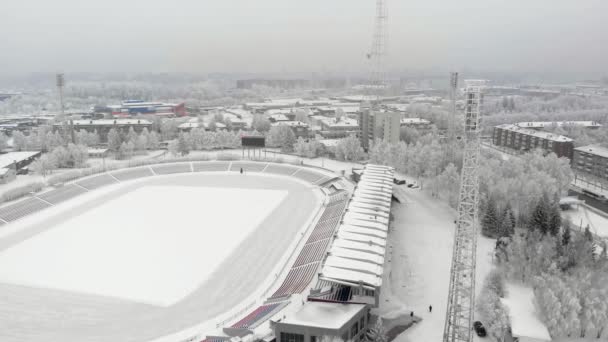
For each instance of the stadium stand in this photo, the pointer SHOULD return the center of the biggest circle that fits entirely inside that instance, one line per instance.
(23, 208)
(311, 252)
(297, 280)
(166, 169)
(248, 166)
(62, 193)
(134, 173)
(259, 316)
(281, 169)
(210, 166)
(325, 230)
(309, 175)
(97, 181)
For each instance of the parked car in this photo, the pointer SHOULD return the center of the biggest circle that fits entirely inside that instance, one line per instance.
(398, 181)
(480, 330)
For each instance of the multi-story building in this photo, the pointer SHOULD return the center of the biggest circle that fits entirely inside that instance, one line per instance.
(378, 125)
(299, 128)
(591, 160)
(102, 127)
(332, 128)
(524, 139)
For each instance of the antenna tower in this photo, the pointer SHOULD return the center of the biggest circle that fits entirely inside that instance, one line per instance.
(452, 119)
(60, 81)
(379, 50)
(461, 297)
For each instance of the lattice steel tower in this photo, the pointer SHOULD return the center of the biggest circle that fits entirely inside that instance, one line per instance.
(379, 49)
(461, 297)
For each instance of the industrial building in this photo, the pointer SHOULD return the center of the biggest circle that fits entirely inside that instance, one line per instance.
(332, 128)
(525, 139)
(591, 161)
(378, 125)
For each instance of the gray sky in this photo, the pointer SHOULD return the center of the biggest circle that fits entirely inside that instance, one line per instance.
(300, 35)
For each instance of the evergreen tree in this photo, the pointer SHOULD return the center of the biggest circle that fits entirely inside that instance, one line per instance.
(507, 222)
(183, 147)
(588, 235)
(555, 219)
(566, 234)
(489, 223)
(540, 216)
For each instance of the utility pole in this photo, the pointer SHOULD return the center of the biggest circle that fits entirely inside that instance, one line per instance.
(461, 296)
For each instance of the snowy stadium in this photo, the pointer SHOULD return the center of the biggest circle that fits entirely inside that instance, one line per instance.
(188, 251)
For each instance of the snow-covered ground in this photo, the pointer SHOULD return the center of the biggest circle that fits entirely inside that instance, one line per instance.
(581, 216)
(417, 274)
(113, 250)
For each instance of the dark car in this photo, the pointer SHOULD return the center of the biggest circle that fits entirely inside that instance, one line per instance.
(398, 181)
(479, 329)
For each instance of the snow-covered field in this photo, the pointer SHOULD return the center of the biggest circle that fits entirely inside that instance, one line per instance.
(229, 267)
(154, 244)
(525, 321)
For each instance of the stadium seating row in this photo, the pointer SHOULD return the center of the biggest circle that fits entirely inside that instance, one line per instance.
(97, 181)
(22, 208)
(259, 316)
(61, 194)
(311, 252)
(297, 280)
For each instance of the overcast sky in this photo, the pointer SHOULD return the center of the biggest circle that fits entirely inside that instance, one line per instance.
(300, 35)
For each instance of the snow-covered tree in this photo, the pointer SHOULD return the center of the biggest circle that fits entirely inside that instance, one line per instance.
(377, 333)
(490, 222)
(260, 123)
(349, 149)
(283, 137)
(183, 147)
(19, 141)
(114, 140)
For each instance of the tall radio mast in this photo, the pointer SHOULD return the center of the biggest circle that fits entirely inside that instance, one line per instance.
(379, 49)
(461, 296)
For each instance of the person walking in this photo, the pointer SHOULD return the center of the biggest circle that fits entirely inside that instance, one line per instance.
(241, 170)
(430, 308)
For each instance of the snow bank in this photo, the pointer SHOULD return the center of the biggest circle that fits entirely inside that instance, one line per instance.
(154, 245)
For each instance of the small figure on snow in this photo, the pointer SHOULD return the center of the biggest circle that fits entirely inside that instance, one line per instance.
(411, 313)
(241, 170)
(430, 308)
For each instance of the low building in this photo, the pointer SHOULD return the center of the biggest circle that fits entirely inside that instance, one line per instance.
(332, 128)
(299, 128)
(526, 325)
(319, 319)
(525, 139)
(18, 161)
(591, 161)
(103, 126)
(415, 123)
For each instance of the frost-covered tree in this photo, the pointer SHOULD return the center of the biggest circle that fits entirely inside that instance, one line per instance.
(19, 141)
(114, 140)
(183, 147)
(349, 149)
(260, 123)
(539, 219)
(377, 333)
(45, 164)
(283, 137)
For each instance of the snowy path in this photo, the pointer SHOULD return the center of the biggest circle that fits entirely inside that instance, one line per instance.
(418, 273)
(582, 216)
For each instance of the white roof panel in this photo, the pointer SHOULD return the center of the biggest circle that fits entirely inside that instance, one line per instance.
(367, 212)
(353, 277)
(359, 246)
(354, 265)
(366, 217)
(364, 231)
(357, 255)
(361, 238)
(365, 224)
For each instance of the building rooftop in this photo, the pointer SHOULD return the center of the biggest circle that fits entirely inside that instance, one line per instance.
(324, 315)
(542, 124)
(594, 149)
(7, 159)
(535, 133)
(290, 123)
(524, 321)
(414, 121)
(106, 122)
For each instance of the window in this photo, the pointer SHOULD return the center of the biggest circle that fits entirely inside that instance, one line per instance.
(354, 329)
(313, 338)
(362, 322)
(345, 336)
(287, 337)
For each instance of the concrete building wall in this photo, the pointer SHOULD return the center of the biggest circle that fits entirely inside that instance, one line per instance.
(526, 142)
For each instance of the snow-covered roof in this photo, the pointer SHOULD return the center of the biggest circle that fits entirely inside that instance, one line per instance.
(414, 121)
(7, 159)
(357, 253)
(535, 133)
(324, 315)
(524, 319)
(107, 122)
(594, 149)
(290, 123)
(542, 124)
